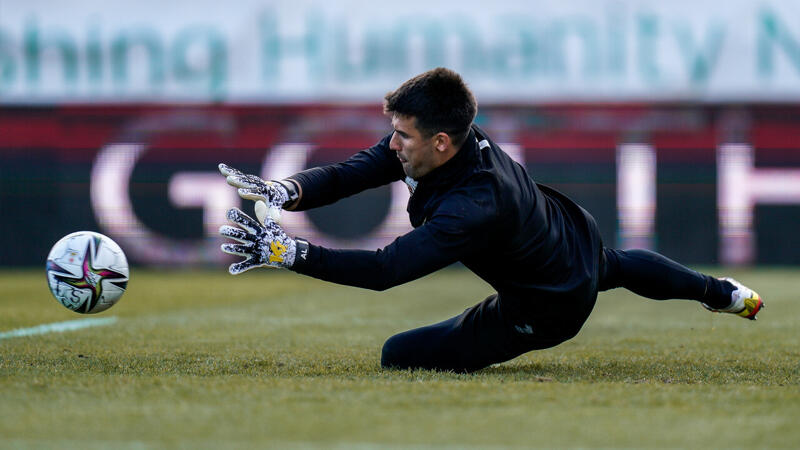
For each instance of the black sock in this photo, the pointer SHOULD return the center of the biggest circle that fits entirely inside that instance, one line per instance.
(718, 293)
(655, 276)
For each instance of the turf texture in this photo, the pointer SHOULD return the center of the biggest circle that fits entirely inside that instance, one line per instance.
(271, 359)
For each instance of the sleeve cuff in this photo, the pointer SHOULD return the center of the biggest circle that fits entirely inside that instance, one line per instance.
(292, 190)
(301, 254)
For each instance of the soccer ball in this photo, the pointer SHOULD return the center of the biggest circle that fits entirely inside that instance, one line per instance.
(87, 272)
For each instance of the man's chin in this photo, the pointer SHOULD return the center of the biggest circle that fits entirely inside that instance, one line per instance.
(409, 171)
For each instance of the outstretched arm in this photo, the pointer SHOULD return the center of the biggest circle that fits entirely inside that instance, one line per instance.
(456, 230)
(370, 168)
(319, 186)
(411, 256)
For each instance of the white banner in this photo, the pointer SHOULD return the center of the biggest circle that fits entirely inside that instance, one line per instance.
(321, 51)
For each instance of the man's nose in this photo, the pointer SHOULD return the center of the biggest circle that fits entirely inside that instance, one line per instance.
(393, 143)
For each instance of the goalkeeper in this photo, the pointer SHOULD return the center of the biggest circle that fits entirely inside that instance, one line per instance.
(470, 202)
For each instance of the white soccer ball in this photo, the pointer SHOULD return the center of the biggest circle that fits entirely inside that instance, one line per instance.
(87, 272)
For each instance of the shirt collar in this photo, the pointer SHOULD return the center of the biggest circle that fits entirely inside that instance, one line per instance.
(456, 167)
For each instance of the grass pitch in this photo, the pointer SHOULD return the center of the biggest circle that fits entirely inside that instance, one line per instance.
(274, 359)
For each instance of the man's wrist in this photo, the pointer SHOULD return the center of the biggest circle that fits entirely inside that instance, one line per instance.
(301, 253)
(293, 192)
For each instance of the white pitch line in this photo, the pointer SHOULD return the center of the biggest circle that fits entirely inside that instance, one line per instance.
(58, 327)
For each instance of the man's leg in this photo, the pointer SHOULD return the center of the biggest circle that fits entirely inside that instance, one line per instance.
(655, 276)
(480, 336)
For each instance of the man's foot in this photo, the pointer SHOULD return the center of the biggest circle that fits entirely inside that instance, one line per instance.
(745, 302)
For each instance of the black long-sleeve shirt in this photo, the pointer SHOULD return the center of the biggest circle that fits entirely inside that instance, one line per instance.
(535, 246)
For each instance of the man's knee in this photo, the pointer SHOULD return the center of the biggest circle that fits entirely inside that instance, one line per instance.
(392, 351)
(439, 346)
(399, 352)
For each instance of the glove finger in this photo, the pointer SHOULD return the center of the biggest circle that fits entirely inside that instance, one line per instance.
(240, 267)
(246, 181)
(235, 176)
(237, 249)
(252, 194)
(228, 170)
(231, 174)
(238, 217)
(236, 233)
(237, 181)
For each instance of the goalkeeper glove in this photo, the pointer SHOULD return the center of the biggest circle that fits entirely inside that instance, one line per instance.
(276, 194)
(264, 245)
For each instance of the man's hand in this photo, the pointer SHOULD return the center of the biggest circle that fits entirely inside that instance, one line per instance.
(251, 187)
(262, 245)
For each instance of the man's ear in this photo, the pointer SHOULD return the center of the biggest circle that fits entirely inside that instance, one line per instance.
(441, 141)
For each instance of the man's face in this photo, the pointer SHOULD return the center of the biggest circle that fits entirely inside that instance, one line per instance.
(417, 153)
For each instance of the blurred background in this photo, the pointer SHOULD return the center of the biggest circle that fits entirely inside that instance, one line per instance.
(677, 124)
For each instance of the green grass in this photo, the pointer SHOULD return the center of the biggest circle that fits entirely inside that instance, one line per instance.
(274, 359)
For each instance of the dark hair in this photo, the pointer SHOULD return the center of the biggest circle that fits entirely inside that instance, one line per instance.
(439, 100)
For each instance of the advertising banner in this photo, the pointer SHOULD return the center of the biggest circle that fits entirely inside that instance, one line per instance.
(311, 51)
(712, 184)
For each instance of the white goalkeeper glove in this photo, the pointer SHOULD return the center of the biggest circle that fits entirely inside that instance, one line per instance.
(275, 194)
(264, 245)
